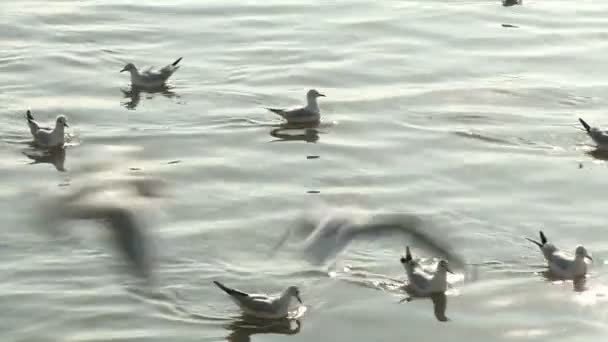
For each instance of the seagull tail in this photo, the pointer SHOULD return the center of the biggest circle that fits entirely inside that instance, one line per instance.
(224, 288)
(29, 116)
(540, 245)
(543, 238)
(586, 125)
(281, 112)
(177, 61)
(408, 254)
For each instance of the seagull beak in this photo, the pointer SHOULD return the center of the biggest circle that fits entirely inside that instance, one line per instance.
(321, 95)
(298, 298)
(449, 270)
(123, 69)
(589, 257)
(66, 124)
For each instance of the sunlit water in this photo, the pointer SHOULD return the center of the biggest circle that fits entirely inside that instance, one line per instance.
(433, 108)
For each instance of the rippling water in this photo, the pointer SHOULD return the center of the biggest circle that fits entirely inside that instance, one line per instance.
(434, 108)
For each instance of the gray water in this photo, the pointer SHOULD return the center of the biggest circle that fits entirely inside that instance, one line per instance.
(433, 109)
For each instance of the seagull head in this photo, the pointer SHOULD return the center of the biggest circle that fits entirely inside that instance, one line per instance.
(129, 67)
(581, 252)
(62, 121)
(295, 292)
(443, 265)
(313, 94)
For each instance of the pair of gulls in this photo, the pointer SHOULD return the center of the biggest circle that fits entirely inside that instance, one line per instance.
(560, 264)
(149, 78)
(54, 137)
(421, 283)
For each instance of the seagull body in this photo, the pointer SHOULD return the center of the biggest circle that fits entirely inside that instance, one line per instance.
(305, 115)
(600, 137)
(422, 283)
(151, 78)
(261, 305)
(46, 136)
(560, 264)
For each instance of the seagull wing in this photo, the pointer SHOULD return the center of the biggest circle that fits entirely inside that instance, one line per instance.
(43, 137)
(561, 261)
(168, 70)
(419, 279)
(407, 225)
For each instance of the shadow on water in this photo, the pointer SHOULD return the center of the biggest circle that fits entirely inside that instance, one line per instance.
(507, 3)
(55, 156)
(243, 327)
(579, 284)
(387, 284)
(309, 135)
(598, 153)
(440, 303)
(133, 95)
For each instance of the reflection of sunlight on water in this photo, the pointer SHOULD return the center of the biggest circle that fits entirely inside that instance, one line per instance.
(298, 312)
(593, 295)
(533, 332)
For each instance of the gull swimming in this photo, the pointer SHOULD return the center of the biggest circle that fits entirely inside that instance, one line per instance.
(305, 115)
(46, 136)
(261, 305)
(151, 78)
(599, 136)
(422, 283)
(560, 264)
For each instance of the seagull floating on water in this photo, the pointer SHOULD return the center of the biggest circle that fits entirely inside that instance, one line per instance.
(261, 305)
(562, 265)
(46, 136)
(151, 78)
(599, 136)
(305, 115)
(422, 283)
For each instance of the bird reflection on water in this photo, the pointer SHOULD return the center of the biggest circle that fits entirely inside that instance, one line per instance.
(310, 135)
(133, 94)
(55, 156)
(242, 328)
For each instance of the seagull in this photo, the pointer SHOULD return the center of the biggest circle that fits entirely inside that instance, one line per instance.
(421, 283)
(324, 237)
(261, 305)
(305, 115)
(46, 136)
(600, 137)
(113, 204)
(151, 78)
(562, 265)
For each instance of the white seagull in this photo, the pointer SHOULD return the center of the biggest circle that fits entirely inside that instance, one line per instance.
(560, 264)
(305, 115)
(46, 136)
(114, 205)
(261, 305)
(151, 78)
(599, 136)
(421, 283)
